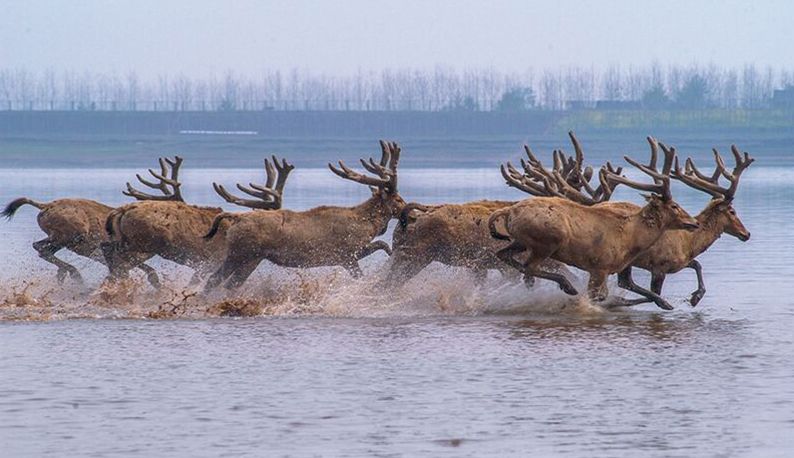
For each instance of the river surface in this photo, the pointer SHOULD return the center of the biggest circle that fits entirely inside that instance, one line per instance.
(442, 368)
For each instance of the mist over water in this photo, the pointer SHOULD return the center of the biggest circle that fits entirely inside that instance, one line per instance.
(439, 368)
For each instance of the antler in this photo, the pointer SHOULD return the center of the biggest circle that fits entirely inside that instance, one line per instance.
(692, 177)
(579, 179)
(661, 179)
(270, 197)
(567, 178)
(169, 186)
(385, 169)
(541, 186)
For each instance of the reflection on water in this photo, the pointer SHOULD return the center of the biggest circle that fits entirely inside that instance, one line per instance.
(442, 369)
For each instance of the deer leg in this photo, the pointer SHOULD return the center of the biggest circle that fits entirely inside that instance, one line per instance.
(114, 260)
(625, 281)
(623, 302)
(597, 286)
(241, 274)
(561, 280)
(534, 266)
(352, 266)
(657, 281)
(550, 265)
(223, 272)
(373, 247)
(151, 275)
(404, 268)
(558, 267)
(121, 262)
(537, 259)
(506, 255)
(47, 249)
(701, 291)
(529, 280)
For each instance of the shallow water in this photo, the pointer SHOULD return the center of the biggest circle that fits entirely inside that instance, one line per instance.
(443, 368)
(674, 385)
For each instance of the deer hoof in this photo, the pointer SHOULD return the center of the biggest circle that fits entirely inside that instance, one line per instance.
(663, 304)
(75, 275)
(569, 289)
(529, 281)
(154, 281)
(696, 297)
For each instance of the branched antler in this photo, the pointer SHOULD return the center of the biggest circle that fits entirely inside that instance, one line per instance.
(568, 178)
(693, 178)
(385, 169)
(661, 184)
(269, 197)
(168, 185)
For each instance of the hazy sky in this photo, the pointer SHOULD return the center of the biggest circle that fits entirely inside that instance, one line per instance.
(198, 37)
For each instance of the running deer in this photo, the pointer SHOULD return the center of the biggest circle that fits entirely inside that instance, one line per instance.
(78, 225)
(677, 250)
(597, 239)
(457, 234)
(169, 227)
(322, 236)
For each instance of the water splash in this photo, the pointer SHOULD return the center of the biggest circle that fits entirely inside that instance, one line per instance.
(273, 291)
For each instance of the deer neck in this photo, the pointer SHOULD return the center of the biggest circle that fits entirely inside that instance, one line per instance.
(376, 212)
(645, 228)
(709, 230)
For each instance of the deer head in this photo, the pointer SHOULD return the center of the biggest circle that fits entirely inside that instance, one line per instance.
(721, 198)
(660, 202)
(384, 184)
(269, 197)
(169, 186)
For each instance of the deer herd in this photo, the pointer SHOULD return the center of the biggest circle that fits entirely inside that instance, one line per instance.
(568, 221)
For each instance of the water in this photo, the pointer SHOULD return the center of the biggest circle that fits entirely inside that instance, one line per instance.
(441, 369)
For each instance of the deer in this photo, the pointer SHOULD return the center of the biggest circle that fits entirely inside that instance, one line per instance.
(600, 239)
(457, 234)
(677, 250)
(78, 226)
(452, 234)
(167, 226)
(321, 236)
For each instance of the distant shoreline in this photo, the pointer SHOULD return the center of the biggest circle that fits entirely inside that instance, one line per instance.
(430, 140)
(343, 124)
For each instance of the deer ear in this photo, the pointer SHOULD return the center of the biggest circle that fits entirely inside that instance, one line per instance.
(723, 204)
(653, 198)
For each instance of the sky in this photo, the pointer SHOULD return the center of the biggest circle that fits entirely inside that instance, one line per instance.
(203, 37)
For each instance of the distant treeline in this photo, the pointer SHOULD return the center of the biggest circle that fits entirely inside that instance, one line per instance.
(442, 89)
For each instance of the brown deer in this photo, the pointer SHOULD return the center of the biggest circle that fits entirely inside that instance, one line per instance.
(598, 239)
(169, 227)
(452, 234)
(77, 225)
(322, 236)
(457, 234)
(677, 250)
